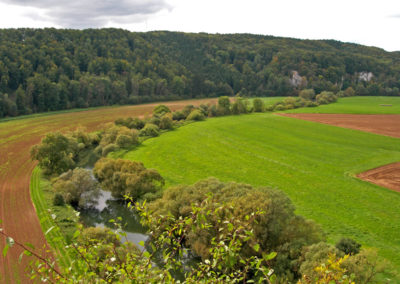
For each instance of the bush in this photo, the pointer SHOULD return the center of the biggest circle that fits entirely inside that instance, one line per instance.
(196, 115)
(124, 177)
(58, 200)
(178, 115)
(77, 187)
(224, 105)
(258, 105)
(161, 110)
(108, 149)
(166, 122)
(278, 228)
(187, 110)
(150, 130)
(307, 94)
(124, 141)
(348, 246)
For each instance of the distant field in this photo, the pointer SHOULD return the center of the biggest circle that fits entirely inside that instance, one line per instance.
(357, 105)
(313, 163)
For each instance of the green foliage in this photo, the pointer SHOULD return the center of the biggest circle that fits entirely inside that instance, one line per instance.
(307, 94)
(160, 110)
(58, 200)
(150, 130)
(123, 177)
(178, 115)
(108, 149)
(166, 122)
(130, 122)
(77, 187)
(277, 227)
(325, 98)
(224, 105)
(348, 246)
(48, 69)
(196, 115)
(258, 105)
(55, 154)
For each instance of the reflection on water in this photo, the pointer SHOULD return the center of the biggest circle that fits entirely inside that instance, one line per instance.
(108, 208)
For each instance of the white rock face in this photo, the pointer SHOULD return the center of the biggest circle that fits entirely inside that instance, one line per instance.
(296, 79)
(365, 76)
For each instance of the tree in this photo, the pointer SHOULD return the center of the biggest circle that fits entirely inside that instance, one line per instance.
(258, 105)
(124, 177)
(55, 154)
(196, 115)
(150, 130)
(224, 105)
(78, 187)
(161, 110)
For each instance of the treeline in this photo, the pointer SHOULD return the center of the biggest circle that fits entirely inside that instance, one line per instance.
(47, 69)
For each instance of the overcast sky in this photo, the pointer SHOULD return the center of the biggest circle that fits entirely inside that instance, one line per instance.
(368, 22)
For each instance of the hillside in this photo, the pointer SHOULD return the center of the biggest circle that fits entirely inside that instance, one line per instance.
(48, 69)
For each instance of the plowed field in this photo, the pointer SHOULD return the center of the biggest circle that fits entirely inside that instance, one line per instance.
(385, 124)
(16, 138)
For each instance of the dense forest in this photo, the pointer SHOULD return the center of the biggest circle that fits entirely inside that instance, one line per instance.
(49, 69)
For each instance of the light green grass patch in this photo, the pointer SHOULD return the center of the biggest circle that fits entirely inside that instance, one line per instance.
(42, 198)
(357, 105)
(313, 163)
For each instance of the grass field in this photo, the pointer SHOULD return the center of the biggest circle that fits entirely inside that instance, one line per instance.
(42, 199)
(357, 105)
(313, 163)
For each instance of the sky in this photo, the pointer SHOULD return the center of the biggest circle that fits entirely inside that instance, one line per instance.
(367, 22)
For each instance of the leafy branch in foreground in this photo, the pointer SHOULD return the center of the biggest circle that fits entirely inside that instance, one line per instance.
(103, 257)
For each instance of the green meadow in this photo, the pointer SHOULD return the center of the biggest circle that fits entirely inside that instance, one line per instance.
(315, 164)
(357, 105)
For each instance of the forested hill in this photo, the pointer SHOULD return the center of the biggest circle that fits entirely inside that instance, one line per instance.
(49, 69)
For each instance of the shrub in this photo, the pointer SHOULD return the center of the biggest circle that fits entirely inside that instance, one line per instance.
(155, 121)
(149, 129)
(124, 141)
(178, 115)
(166, 122)
(161, 110)
(77, 187)
(58, 200)
(348, 246)
(187, 110)
(108, 149)
(196, 115)
(124, 177)
(258, 105)
(307, 94)
(224, 105)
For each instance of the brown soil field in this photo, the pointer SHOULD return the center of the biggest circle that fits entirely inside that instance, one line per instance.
(386, 176)
(17, 212)
(385, 124)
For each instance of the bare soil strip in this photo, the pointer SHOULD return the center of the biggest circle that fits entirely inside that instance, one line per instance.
(16, 209)
(385, 124)
(387, 176)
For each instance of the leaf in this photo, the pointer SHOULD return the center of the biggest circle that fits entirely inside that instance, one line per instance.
(269, 256)
(141, 243)
(76, 234)
(20, 257)
(49, 230)
(256, 247)
(5, 250)
(30, 245)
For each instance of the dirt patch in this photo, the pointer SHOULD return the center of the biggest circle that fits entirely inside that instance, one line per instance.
(16, 138)
(387, 176)
(383, 124)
